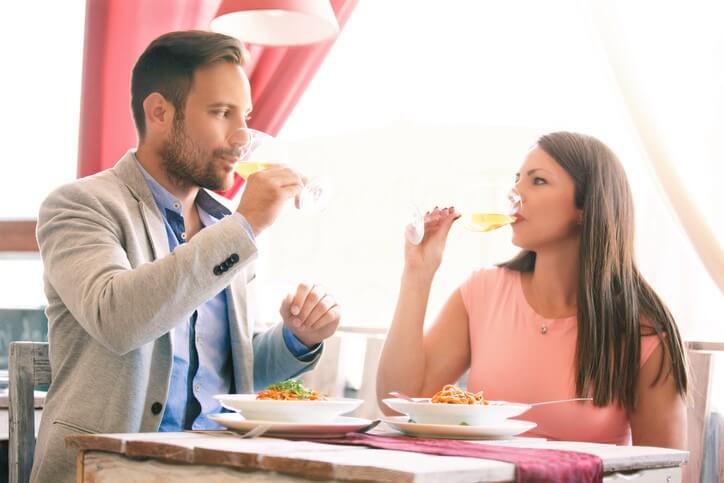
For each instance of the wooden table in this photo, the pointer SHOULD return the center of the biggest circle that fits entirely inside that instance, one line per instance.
(221, 456)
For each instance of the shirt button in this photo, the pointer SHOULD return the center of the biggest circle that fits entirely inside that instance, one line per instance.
(197, 387)
(198, 340)
(183, 235)
(177, 205)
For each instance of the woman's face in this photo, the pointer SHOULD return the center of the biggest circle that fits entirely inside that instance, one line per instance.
(548, 216)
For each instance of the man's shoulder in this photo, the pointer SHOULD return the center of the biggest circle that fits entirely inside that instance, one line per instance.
(102, 196)
(103, 185)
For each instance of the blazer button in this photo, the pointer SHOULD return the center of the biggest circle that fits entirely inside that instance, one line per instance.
(156, 407)
(224, 266)
(218, 270)
(234, 258)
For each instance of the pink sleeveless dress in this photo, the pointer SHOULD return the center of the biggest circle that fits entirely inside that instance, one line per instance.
(518, 355)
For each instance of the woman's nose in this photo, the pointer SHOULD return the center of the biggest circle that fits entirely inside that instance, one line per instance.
(516, 199)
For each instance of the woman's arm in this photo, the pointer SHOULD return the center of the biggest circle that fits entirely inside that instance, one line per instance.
(660, 415)
(413, 362)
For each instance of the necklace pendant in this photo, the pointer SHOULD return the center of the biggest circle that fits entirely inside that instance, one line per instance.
(543, 329)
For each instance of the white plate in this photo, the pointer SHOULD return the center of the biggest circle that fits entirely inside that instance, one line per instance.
(289, 411)
(335, 429)
(424, 411)
(505, 429)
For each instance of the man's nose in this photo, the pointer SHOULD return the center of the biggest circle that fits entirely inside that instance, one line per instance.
(240, 137)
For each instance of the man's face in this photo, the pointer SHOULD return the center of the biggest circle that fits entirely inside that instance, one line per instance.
(204, 144)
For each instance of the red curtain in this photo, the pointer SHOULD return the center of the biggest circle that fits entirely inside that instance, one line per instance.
(117, 31)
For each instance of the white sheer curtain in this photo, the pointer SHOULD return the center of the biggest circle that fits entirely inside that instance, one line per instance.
(666, 58)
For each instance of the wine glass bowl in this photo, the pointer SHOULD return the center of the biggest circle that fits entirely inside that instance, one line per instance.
(490, 207)
(485, 208)
(259, 151)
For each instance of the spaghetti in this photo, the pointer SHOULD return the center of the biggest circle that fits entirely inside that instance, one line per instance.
(454, 395)
(290, 390)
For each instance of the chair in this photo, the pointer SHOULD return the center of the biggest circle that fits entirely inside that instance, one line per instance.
(28, 366)
(703, 450)
(326, 377)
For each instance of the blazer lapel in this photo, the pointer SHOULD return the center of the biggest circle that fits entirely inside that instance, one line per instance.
(155, 230)
(128, 172)
(241, 332)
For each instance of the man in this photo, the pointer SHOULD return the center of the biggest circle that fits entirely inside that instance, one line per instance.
(147, 277)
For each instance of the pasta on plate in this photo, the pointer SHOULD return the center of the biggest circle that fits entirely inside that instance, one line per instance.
(289, 390)
(451, 394)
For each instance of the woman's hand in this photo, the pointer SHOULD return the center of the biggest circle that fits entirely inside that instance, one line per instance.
(427, 256)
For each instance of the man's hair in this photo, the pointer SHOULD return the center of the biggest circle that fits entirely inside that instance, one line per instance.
(167, 66)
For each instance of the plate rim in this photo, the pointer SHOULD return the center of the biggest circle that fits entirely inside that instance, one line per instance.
(456, 431)
(429, 404)
(218, 417)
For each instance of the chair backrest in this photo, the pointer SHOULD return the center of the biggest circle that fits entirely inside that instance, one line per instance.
(28, 366)
(700, 372)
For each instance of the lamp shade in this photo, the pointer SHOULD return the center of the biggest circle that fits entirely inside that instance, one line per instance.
(276, 22)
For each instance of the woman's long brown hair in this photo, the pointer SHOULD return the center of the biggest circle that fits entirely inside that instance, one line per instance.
(613, 298)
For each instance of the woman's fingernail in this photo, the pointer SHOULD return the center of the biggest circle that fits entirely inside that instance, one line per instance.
(295, 310)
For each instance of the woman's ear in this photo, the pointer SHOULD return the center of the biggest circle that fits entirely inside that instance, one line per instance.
(158, 112)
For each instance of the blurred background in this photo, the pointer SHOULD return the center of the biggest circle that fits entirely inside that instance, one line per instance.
(415, 101)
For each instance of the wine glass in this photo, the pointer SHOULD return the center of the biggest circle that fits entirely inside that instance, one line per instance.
(485, 208)
(260, 150)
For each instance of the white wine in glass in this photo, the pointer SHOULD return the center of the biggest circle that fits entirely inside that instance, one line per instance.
(261, 151)
(246, 169)
(486, 221)
(499, 209)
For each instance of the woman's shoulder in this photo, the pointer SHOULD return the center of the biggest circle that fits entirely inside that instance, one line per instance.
(651, 338)
(488, 280)
(493, 275)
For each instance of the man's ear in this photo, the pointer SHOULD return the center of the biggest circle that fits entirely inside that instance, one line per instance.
(158, 112)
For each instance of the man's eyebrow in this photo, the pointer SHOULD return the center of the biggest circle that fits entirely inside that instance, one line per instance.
(222, 104)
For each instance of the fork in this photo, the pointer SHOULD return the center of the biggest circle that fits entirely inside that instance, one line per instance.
(254, 432)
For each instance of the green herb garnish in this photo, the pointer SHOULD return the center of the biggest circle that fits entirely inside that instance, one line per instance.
(294, 386)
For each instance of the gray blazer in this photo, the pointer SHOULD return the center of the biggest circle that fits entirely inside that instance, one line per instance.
(114, 293)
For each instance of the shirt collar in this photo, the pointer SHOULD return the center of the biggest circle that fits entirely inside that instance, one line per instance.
(167, 201)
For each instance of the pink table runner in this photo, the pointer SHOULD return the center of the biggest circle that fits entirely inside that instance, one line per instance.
(532, 465)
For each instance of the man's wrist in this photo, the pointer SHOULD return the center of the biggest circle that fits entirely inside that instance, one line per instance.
(248, 226)
(299, 348)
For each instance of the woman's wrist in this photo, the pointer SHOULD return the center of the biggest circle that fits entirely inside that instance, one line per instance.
(418, 275)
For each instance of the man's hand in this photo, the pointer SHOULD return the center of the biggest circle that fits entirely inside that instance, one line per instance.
(311, 314)
(265, 193)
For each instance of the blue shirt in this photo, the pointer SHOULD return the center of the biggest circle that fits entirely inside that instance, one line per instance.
(202, 364)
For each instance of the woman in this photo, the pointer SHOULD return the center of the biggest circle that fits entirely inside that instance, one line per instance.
(570, 316)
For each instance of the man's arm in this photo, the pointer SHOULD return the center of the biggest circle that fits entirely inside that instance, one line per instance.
(85, 260)
(274, 362)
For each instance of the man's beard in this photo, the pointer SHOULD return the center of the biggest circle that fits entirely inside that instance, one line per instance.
(189, 164)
